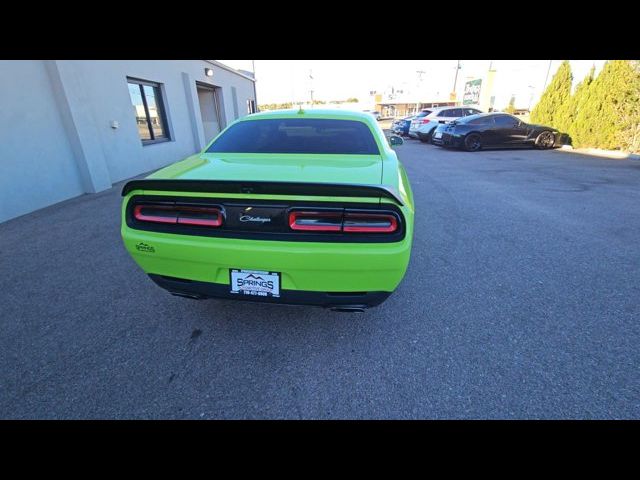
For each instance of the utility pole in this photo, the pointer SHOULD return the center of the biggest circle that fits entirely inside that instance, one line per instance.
(547, 77)
(455, 81)
(420, 73)
(530, 97)
(311, 86)
(255, 93)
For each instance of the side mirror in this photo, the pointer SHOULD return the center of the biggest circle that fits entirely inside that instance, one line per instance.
(395, 140)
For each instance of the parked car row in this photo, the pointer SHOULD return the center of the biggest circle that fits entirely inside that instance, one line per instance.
(470, 129)
(422, 125)
(495, 130)
(402, 125)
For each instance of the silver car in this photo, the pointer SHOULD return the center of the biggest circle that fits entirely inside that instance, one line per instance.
(423, 127)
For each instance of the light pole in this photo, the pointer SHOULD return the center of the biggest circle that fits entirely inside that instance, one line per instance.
(255, 93)
(455, 81)
(547, 77)
(420, 73)
(530, 97)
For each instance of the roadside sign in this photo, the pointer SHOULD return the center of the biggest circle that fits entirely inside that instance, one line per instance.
(472, 92)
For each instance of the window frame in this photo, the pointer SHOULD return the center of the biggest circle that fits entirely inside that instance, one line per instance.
(160, 105)
(488, 120)
(514, 121)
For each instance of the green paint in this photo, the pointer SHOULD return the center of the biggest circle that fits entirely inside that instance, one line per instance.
(312, 266)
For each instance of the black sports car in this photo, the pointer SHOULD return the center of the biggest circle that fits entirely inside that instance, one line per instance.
(494, 130)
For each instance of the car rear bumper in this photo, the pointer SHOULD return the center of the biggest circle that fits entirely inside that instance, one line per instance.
(447, 140)
(202, 290)
(304, 266)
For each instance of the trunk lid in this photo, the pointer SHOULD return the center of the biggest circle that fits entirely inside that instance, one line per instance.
(357, 169)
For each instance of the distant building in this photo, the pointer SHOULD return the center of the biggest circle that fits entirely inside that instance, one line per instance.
(404, 108)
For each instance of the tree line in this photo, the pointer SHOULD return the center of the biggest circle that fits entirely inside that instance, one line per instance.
(602, 112)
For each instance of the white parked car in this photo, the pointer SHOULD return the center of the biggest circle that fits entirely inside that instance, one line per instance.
(422, 127)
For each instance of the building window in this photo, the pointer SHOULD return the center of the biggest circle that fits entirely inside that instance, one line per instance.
(251, 106)
(146, 98)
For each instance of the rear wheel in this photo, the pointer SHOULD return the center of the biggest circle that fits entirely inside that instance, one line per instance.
(546, 140)
(472, 142)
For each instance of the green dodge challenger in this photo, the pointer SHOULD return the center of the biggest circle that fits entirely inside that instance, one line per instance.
(296, 207)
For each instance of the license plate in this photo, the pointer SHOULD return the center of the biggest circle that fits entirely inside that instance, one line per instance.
(437, 135)
(255, 283)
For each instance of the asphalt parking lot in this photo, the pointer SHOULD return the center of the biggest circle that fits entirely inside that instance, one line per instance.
(522, 300)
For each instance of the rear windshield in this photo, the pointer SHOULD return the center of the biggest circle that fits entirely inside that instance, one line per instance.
(297, 135)
(423, 113)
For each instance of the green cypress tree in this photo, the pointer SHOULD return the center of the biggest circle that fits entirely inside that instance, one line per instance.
(578, 122)
(549, 110)
(611, 115)
(627, 110)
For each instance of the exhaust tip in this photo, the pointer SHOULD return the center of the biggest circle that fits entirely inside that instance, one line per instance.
(186, 295)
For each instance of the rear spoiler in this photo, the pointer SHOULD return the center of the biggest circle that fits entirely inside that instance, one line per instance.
(265, 188)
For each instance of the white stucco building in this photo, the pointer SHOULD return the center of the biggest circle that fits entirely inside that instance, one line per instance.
(69, 127)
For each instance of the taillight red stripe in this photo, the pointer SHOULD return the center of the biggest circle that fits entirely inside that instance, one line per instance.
(179, 214)
(137, 213)
(357, 222)
(352, 222)
(296, 217)
(185, 219)
(200, 221)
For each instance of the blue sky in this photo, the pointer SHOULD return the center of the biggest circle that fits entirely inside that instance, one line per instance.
(288, 80)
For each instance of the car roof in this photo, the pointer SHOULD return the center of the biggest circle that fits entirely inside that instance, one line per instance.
(311, 113)
(437, 109)
(489, 114)
(492, 114)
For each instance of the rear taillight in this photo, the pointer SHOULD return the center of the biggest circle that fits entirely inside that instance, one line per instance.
(424, 120)
(155, 214)
(316, 221)
(203, 216)
(369, 223)
(350, 222)
(177, 214)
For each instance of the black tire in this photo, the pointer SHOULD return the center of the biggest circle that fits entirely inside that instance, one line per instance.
(430, 135)
(426, 138)
(472, 142)
(546, 140)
